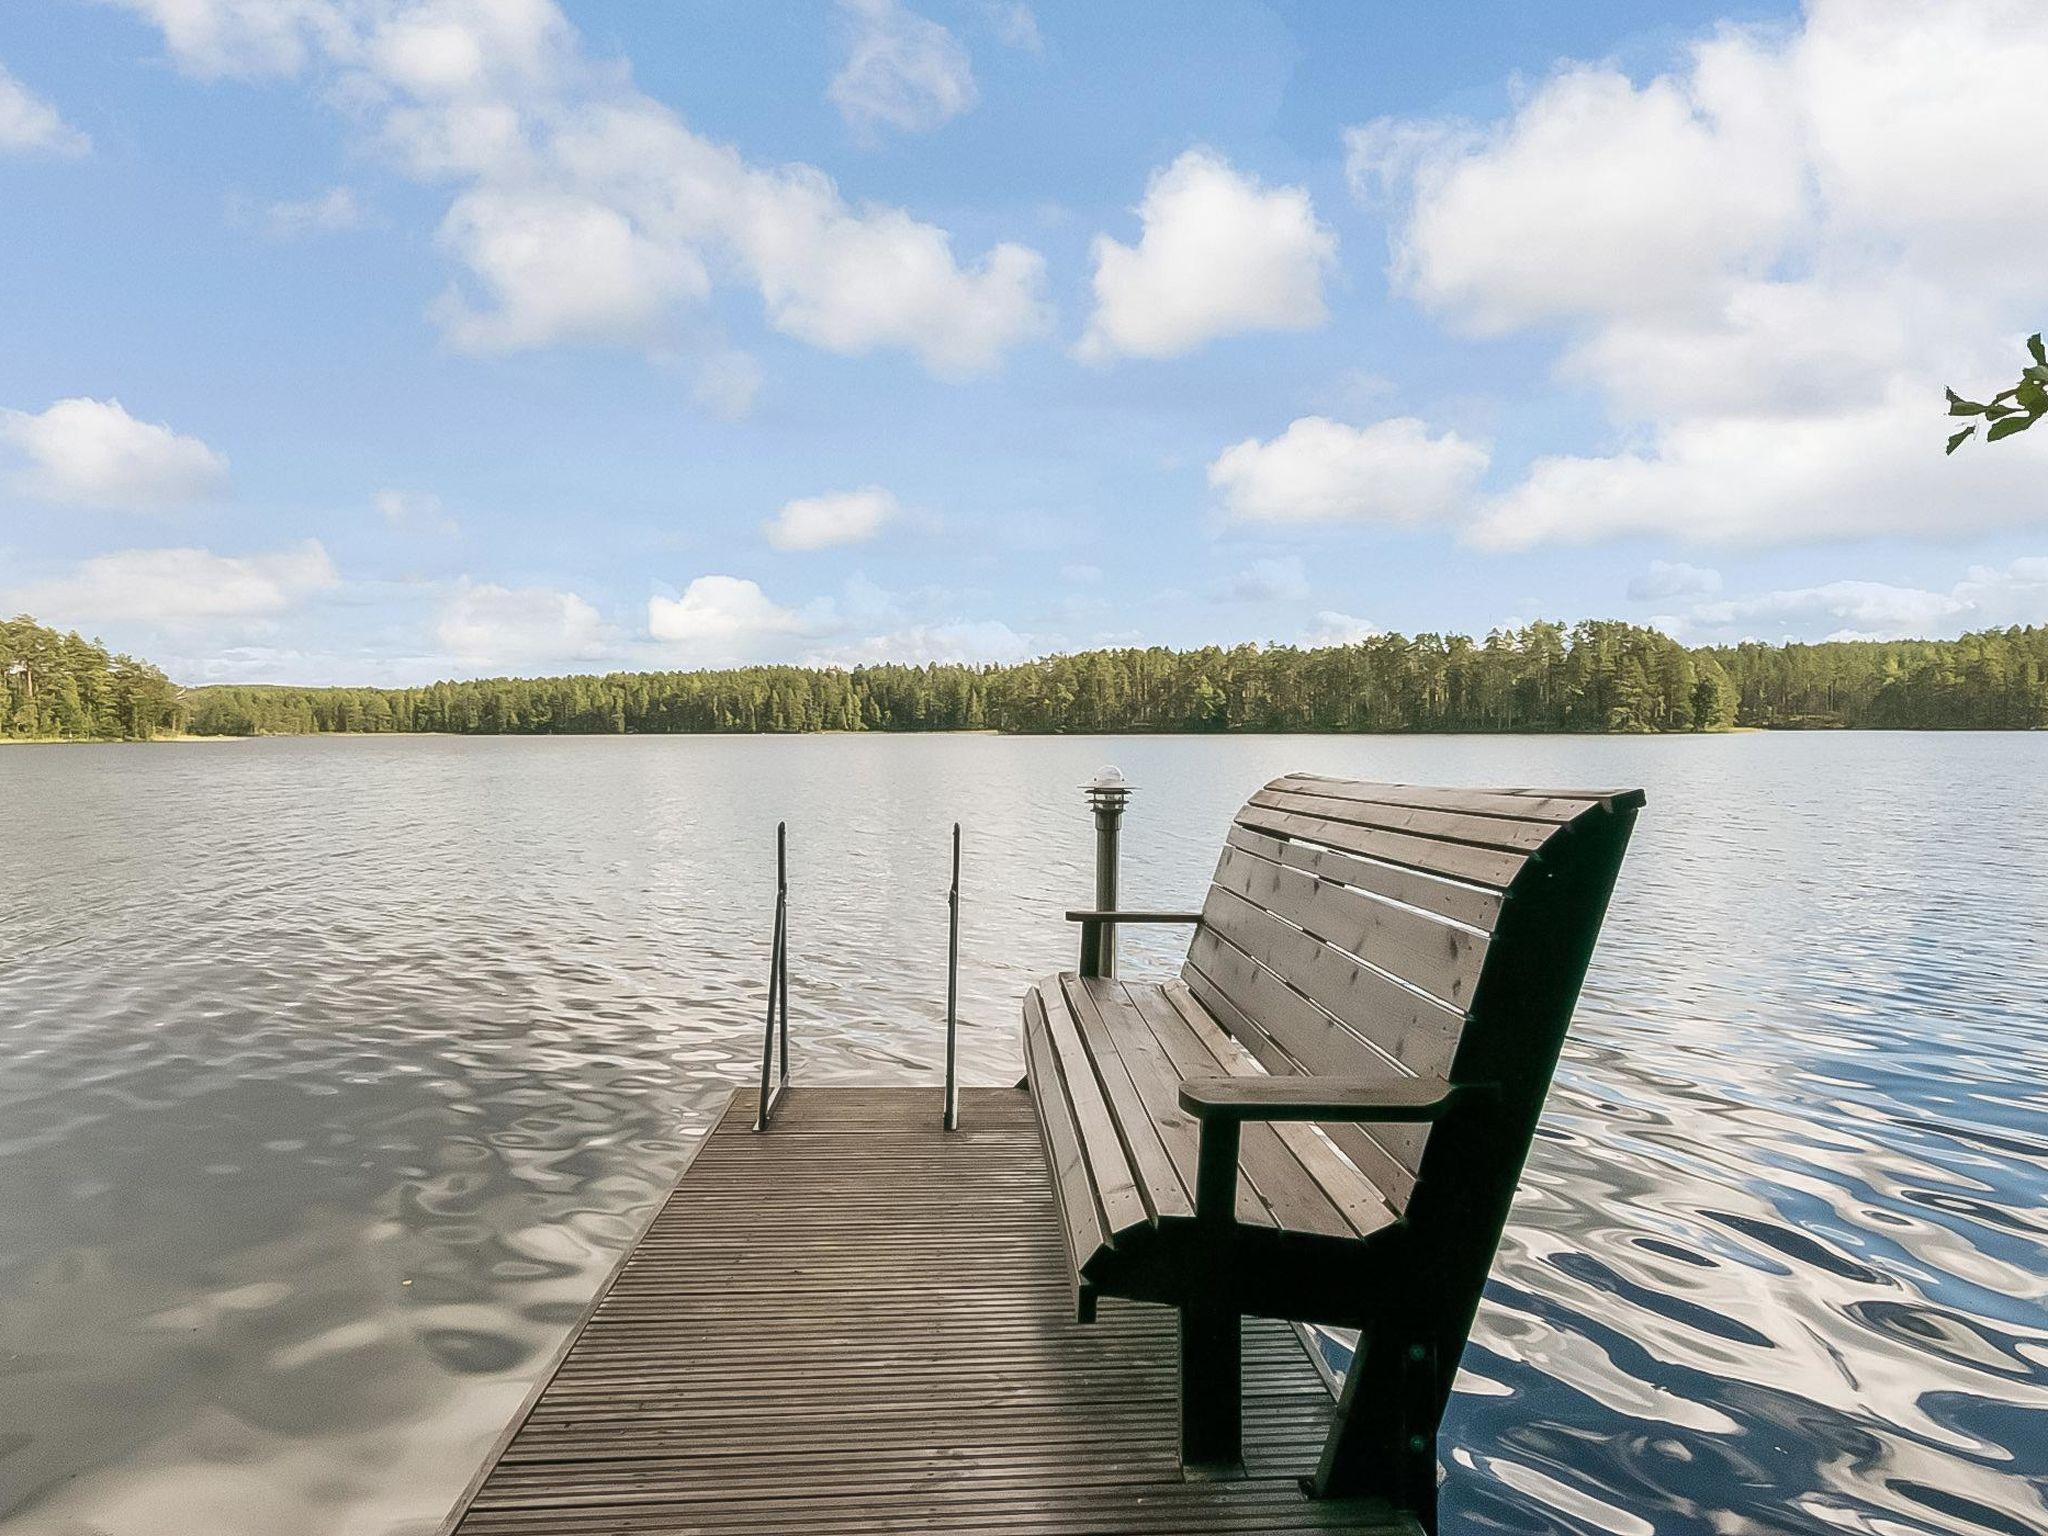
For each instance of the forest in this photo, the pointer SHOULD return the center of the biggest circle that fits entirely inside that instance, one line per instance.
(64, 688)
(1593, 676)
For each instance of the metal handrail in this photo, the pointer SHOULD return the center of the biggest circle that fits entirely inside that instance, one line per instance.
(952, 1119)
(772, 1085)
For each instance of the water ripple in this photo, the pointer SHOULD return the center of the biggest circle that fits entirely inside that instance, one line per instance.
(335, 1075)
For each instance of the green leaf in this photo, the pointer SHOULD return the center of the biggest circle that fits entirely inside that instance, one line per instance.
(2038, 375)
(1958, 406)
(2033, 397)
(1956, 440)
(1999, 412)
(2034, 346)
(2009, 426)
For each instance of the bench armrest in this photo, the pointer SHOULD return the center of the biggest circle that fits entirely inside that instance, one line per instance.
(1223, 1104)
(1135, 917)
(1316, 1098)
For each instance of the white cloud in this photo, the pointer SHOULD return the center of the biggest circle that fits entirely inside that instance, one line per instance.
(724, 620)
(243, 38)
(822, 522)
(1757, 479)
(1768, 262)
(1220, 254)
(1595, 196)
(1322, 471)
(560, 268)
(178, 589)
(1334, 628)
(335, 209)
(484, 625)
(92, 453)
(902, 70)
(30, 125)
(970, 641)
(1081, 573)
(415, 510)
(586, 211)
(1674, 578)
(1015, 25)
(1283, 580)
(1987, 597)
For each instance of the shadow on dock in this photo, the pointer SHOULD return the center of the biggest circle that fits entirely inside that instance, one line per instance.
(859, 1322)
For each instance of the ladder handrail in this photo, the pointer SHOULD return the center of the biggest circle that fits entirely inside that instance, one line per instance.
(772, 1085)
(952, 1114)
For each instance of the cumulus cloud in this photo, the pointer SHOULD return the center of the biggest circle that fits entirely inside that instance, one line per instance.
(1673, 578)
(1986, 597)
(485, 625)
(1767, 261)
(723, 621)
(1282, 580)
(177, 589)
(1322, 471)
(902, 70)
(822, 522)
(973, 642)
(29, 125)
(585, 211)
(1334, 628)
(1220, 254)
(92, 453)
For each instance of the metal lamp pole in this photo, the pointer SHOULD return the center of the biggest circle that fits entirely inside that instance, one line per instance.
(1107, 793)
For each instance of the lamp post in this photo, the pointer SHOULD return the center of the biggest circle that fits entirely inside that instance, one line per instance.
(1107, 794)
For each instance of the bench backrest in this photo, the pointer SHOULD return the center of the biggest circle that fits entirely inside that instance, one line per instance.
(1357, 929)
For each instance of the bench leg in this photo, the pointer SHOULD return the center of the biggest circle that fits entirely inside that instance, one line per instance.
(1211, 1393)
(1382, 1442)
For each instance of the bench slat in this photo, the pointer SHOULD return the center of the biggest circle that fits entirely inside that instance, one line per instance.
(1116, 1186)
(1496, 832)
(1441, 959)
(1358, 1142)
(1474, 906)
(1158, 1067)
(1360, 1019)
(1137, 1124)
(1211, 1048)
(1459, 861)
(1080, 1213)
(1553, 806)
(1268, 1179)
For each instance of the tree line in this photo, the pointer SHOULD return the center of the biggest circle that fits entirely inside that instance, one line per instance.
(62, 686)
(1594, 676)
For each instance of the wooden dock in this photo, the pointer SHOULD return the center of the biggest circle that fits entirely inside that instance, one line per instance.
(858, 1322)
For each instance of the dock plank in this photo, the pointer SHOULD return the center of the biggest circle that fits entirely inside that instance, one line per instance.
(858, 1323)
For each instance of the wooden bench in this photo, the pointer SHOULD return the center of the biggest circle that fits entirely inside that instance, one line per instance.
(1324, 1118)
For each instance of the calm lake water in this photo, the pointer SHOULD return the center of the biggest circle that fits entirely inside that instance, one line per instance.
(336, 1074)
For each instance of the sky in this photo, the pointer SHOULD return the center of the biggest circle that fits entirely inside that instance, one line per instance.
(378, 341)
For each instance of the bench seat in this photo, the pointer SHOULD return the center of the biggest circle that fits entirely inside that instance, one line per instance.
(1116, 1054)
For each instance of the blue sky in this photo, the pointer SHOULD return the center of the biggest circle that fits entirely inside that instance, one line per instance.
(384, 340)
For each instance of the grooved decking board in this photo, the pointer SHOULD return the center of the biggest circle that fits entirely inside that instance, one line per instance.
(860, 1323)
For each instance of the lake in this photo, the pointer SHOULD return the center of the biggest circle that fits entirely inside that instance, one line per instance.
(335, 1074)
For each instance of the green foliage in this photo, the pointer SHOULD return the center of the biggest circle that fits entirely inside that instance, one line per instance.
(63, 686)
(1595, 676)
(2013, 410)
